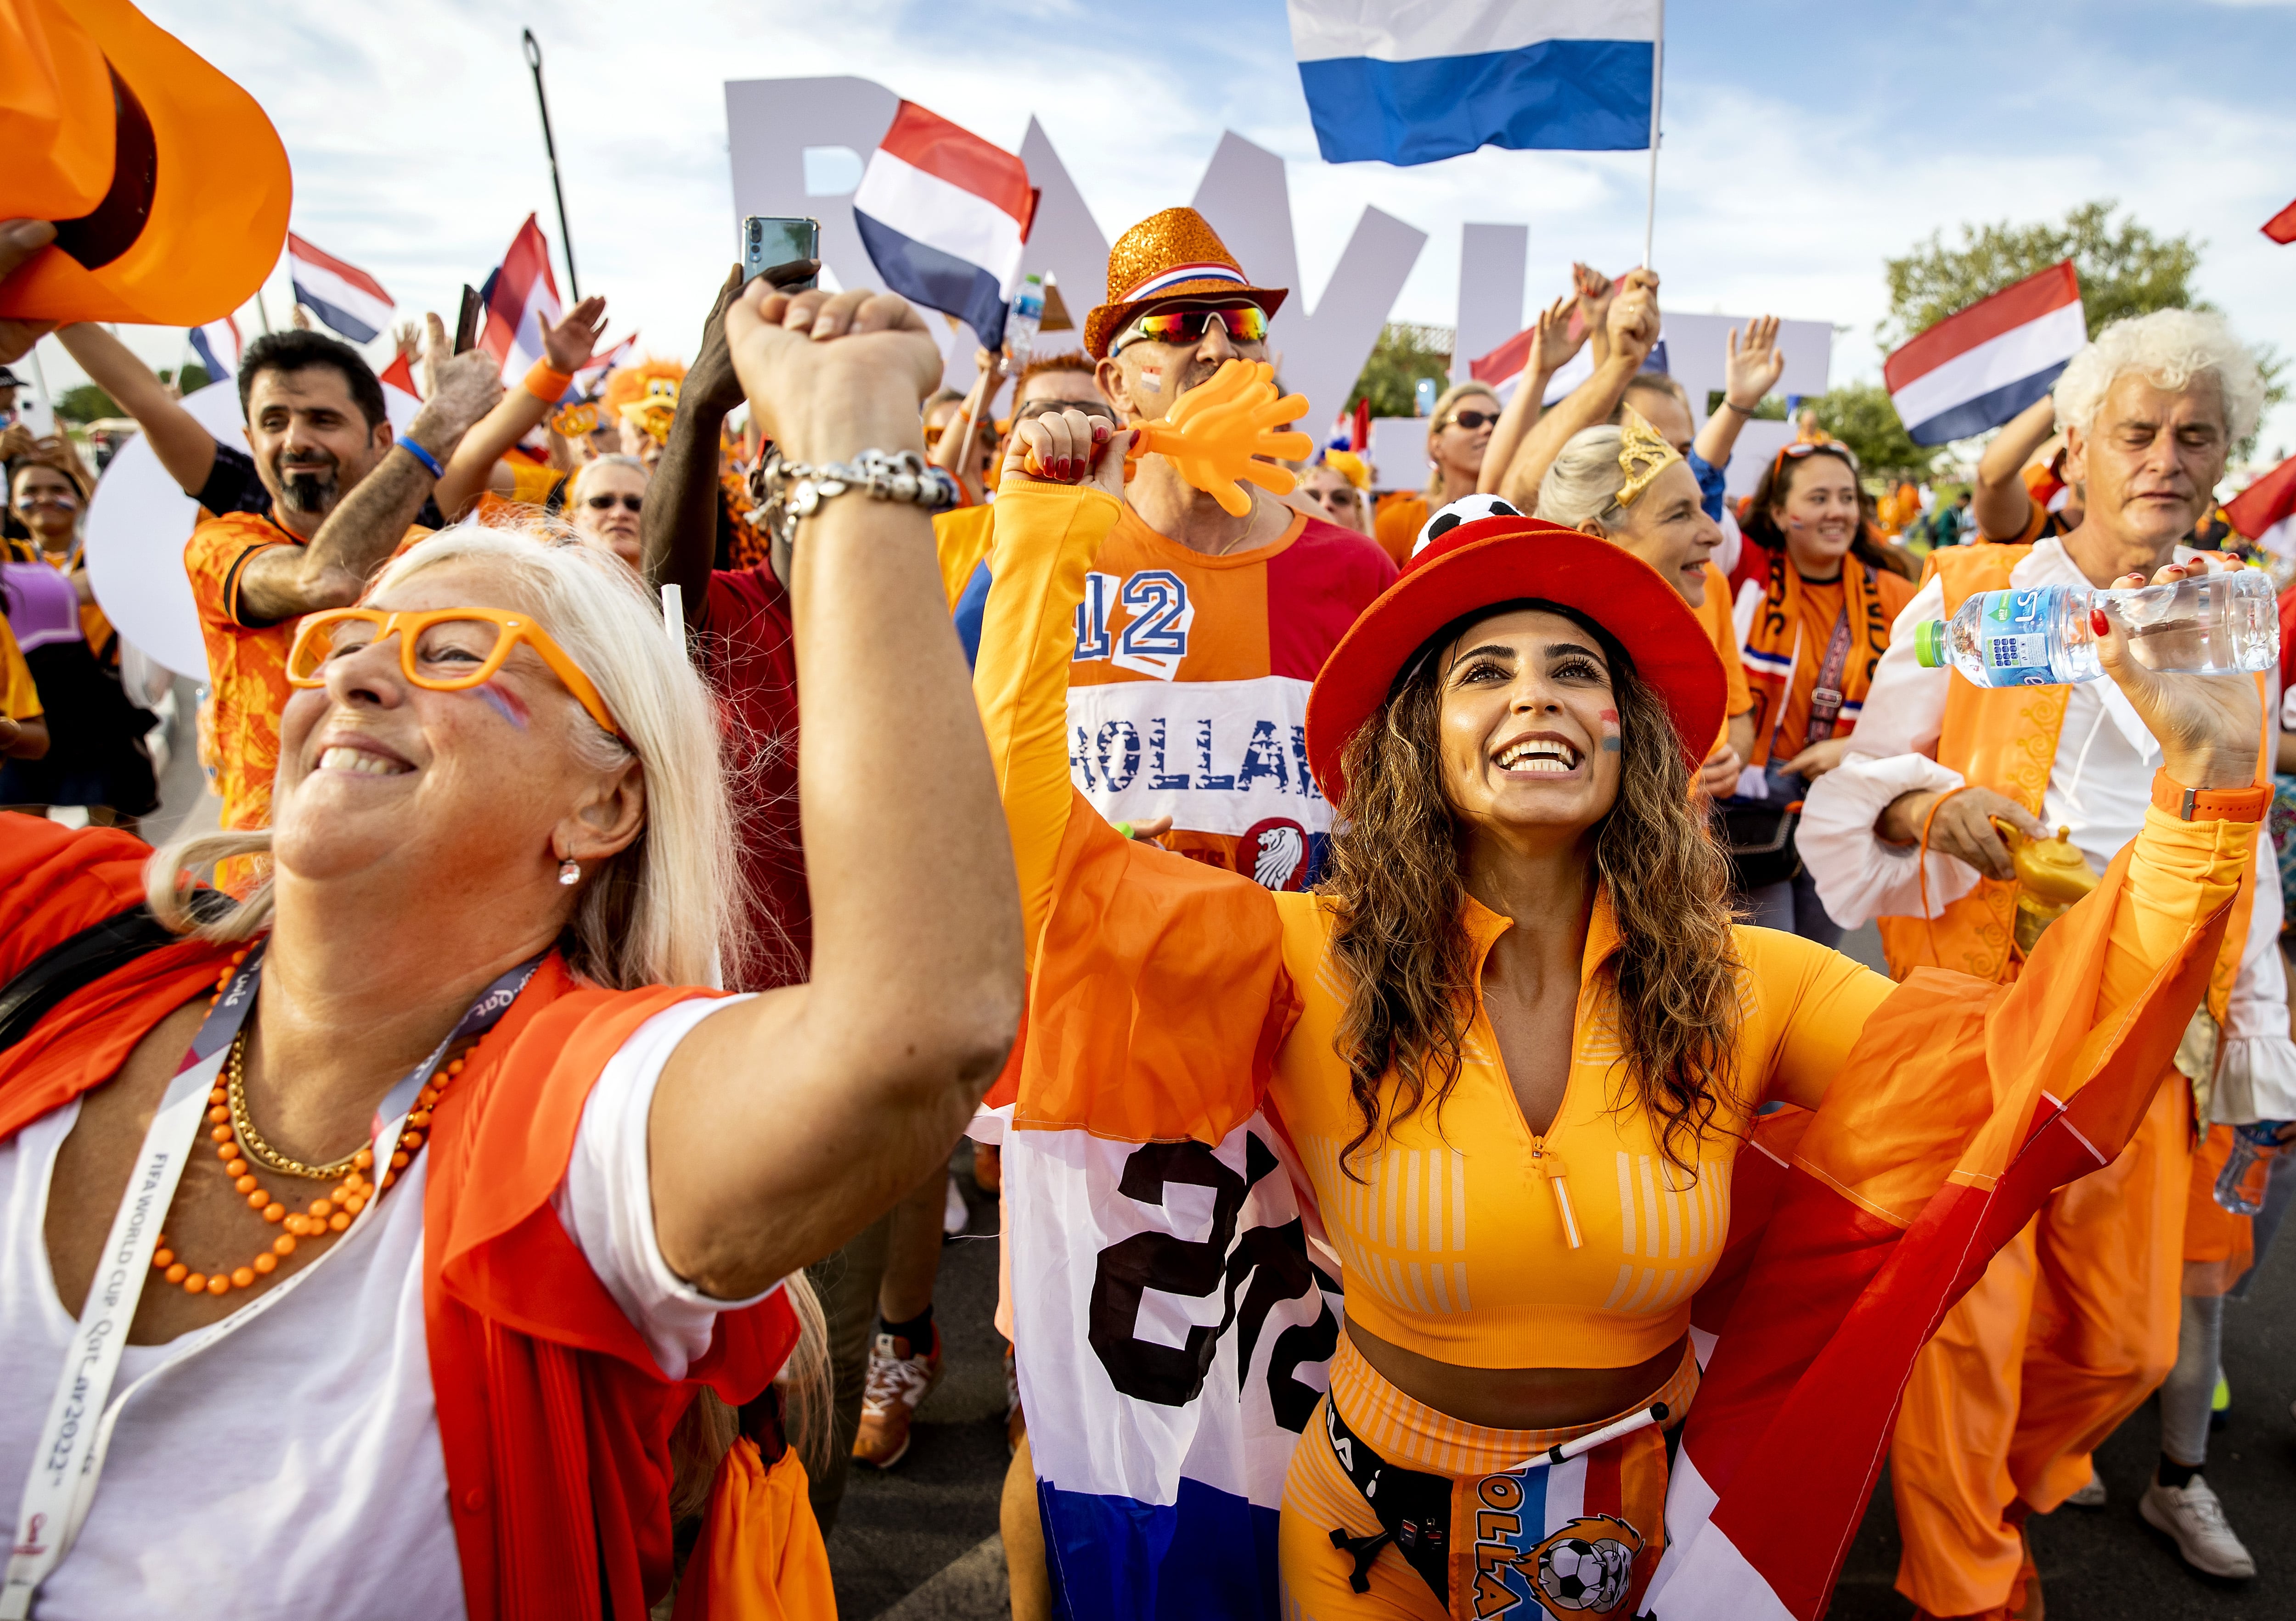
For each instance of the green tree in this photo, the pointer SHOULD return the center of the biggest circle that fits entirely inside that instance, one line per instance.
(86, 403)
(2124, 268)
(1404, 354)
(191, 379)
(1861, 416)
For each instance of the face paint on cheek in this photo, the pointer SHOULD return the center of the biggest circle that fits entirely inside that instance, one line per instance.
(1151, 378)
(1610, 731)
(503, 702)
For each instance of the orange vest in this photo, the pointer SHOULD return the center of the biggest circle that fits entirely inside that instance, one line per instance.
(2005, 738)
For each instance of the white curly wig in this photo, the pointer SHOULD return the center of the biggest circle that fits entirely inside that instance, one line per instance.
(2171, 348)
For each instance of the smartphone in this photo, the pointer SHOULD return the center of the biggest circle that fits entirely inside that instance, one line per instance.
(767, 240)
(466, 324)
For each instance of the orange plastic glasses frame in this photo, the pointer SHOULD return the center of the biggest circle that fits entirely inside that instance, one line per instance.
(409, 627)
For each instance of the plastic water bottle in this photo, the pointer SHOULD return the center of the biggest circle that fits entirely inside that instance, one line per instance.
(2240, 1186)
(2208, 624)
(1026, 316)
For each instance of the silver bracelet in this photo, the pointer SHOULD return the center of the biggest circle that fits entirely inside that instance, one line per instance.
(787, 491)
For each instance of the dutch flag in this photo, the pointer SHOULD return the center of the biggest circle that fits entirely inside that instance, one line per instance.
(1410, 81)
(217, 345)
(1977, 369)
(342, 296)
(521, 298)
(944, 216)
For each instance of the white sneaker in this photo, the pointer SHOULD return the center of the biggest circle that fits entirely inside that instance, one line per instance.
(2192, 1516)
(956, 1217)
(2090, 1497)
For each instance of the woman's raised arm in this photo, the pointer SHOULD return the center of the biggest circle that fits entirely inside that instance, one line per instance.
(786, 1124)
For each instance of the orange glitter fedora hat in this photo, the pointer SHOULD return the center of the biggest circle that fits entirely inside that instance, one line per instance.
(168, 188)
(1172, 255)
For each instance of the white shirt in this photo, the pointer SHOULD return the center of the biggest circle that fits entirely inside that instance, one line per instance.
(286, 1463)
(2099, 785)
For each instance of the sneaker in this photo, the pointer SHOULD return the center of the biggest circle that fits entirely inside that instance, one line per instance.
(2221, 1405)
(2090, 1497)
(987, 1167)
(899, 1381)
(2191, 1515)
(955, 1215)
(1016, 1424)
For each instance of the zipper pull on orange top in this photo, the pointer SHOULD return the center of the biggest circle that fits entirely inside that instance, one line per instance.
(1549, 1165)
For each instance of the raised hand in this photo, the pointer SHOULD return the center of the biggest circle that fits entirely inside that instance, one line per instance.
(20, 239)
(1633, 325)
(828, 374)
(458, 390)
(2210, 727)
(569, 344)
(1557, 342)
(1752, 369)
(1216, 435)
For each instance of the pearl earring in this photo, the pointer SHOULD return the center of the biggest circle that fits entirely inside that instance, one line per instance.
(569, 872)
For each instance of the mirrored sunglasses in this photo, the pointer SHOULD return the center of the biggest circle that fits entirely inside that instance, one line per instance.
(1245, 323)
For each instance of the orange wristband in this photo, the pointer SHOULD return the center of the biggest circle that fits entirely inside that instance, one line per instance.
(2173, 798)
(546, 384)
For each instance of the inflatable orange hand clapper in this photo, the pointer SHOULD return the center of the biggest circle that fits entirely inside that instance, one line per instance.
(1220, 431)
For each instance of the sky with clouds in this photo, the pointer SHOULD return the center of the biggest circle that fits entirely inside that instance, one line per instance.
(1803, 144)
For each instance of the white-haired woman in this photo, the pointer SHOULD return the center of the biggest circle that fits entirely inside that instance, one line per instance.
(605, 498)
(443, 1189)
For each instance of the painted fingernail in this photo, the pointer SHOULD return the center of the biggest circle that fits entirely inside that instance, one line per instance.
(1100, 432)
(2098, 623)
(1068, 467)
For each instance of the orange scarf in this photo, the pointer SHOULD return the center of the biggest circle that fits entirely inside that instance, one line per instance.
(1774, 653)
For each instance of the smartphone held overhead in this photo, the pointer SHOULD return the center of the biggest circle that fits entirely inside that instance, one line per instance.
(769, 242)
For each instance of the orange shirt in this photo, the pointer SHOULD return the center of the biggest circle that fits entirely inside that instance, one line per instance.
(20, 700)
(1820, 602)
(1714, 613)
(246, 664)
(1398, 523)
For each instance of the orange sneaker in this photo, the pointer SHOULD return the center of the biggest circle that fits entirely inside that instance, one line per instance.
(987, 1167)
(899, 1379)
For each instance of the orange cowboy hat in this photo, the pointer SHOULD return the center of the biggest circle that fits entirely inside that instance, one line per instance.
(168, 186)
(1168, 256)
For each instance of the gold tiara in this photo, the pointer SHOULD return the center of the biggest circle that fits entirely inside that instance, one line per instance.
(1642, 455)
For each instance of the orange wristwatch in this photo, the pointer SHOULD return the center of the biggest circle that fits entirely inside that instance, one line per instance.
(2210, 803)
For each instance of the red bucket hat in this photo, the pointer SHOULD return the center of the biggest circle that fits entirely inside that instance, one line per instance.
(1493, 560)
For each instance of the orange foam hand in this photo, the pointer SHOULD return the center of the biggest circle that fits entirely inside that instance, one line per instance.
(1221, 431)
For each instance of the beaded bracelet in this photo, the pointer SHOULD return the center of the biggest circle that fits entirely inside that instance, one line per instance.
(787, 491)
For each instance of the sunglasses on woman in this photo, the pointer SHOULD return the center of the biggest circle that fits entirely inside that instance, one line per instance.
(1471, 420)
(1245, 323)
(1818, 447)
(606, 503)
(446, 650)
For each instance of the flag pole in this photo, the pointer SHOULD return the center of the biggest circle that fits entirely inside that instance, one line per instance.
(550, 145)
(1658, 64)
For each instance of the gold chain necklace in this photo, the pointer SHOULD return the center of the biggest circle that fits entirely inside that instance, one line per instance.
(251, 1140)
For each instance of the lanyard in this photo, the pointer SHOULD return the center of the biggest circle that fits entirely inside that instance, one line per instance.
(60, 1487)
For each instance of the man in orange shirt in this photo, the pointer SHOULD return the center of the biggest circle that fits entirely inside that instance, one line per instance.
(343, 496)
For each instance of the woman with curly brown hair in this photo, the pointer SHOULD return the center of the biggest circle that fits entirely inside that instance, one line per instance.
(1515, 1039)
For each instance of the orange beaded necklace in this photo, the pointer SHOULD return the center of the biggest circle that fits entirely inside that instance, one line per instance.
(323, 1218)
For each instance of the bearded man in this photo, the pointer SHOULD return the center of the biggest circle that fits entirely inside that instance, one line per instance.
(344, 495)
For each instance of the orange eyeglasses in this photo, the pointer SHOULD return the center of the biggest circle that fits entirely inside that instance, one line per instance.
(443, 649)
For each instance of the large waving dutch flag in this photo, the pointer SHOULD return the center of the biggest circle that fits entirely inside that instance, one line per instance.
(342, 296)
(944, 215)
(1410, 81)
(521, 298)
(1977, 369)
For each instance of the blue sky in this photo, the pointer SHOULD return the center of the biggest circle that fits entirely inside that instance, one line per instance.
(1803, 144)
